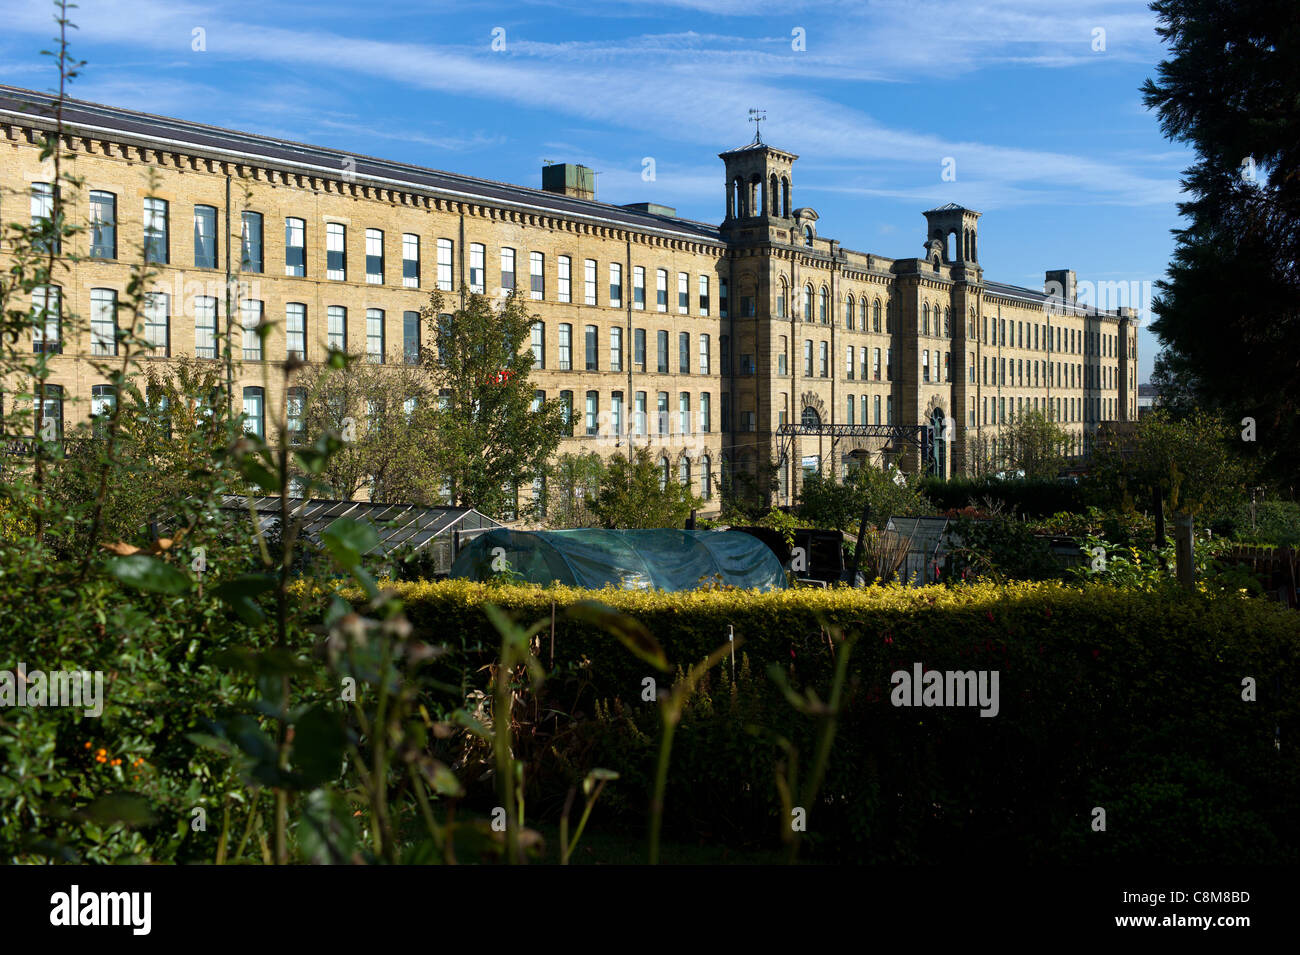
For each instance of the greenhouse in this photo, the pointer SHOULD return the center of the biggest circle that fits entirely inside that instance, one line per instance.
(658, 559)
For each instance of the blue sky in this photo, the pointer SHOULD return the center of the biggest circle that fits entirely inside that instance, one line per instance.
(1038, 111)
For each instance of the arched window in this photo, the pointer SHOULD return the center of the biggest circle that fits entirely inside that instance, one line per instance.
(663, 473)
(773, 197)
(706, 478)
(807, 236)
(810, 418)
(785, 197)
(684, 472)
(947, 328)
(848, 313)
(862, 315)
(807, 303)
(875, 316)
(823, 313)
(925, 319)
(782, 298)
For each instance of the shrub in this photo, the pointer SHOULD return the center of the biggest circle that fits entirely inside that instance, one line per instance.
(1096, 683)
(1025, 497)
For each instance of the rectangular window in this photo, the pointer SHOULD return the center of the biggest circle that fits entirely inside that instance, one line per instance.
(374, 257)
(684, 352)
(661, 341)
(661, 407)
(295, 247)
(925, 365)
(782, 356)
(336, 261)
(477, 268)
(411, 337)
(155, 231)
(205, 237)
(445, 274)
(824, 359)
(103, 225)
(593, 412)
(889, 365)
(807, 358)
(661, 290)
(566, 347)
(157, 322)
(295, 330)
(589, 281)
(638, 349)
(683, 293)
(615, 285)
(43, 210)
(849, 356)
(250, 317)
(640, 412)
(704, 354)
(295, 413)
(375, 336)
(638, 287)
(508, 269)
(254, 412)
(684, 412)
(410, 260)
(539, 345)
(706, 414)
(336, 318)
(889, 409)
(616, 349)
(724, 411)
(566, 413)
(723, 287)
(103, 321)
(852, 408)
(704, 295)
(875, 404)
(616, 412)
(205, 327)
(592, 342)
(250, 245)
(537, 276)
(564, 286)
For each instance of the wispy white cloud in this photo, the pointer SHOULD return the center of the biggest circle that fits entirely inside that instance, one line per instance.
(697, 79)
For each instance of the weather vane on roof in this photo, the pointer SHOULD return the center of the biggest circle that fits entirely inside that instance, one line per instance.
(756, 116)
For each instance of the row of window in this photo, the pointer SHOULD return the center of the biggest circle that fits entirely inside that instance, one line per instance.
(47, 333)
(1068, 410)
(615, 421)
(1034, 373)
(1032, 336)
(157, 241)
(591, 350)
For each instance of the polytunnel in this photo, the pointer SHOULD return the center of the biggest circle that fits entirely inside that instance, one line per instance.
(662, 559)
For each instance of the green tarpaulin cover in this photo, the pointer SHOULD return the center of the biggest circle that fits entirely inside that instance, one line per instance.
(631, 560)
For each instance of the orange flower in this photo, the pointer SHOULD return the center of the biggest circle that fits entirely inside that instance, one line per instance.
(87, 744)
(116, 762)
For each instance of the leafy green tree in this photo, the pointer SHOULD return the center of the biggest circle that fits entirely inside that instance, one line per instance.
(1228, 313)
(633, 493)
(572, 483)
(881, 493)
(1035, 445)
(489, 439)
(384, 415)
(1193, 461)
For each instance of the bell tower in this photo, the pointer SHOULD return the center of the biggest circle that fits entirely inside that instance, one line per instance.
(952, 220)
(758, 184)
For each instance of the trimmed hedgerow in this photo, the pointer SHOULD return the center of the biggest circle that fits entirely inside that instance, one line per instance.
(1124, 700)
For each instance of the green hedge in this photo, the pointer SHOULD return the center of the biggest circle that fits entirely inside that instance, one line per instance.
(1124, 700)
(1023, 497)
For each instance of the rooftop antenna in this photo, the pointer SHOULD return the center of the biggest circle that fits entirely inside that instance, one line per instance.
(756, 116)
